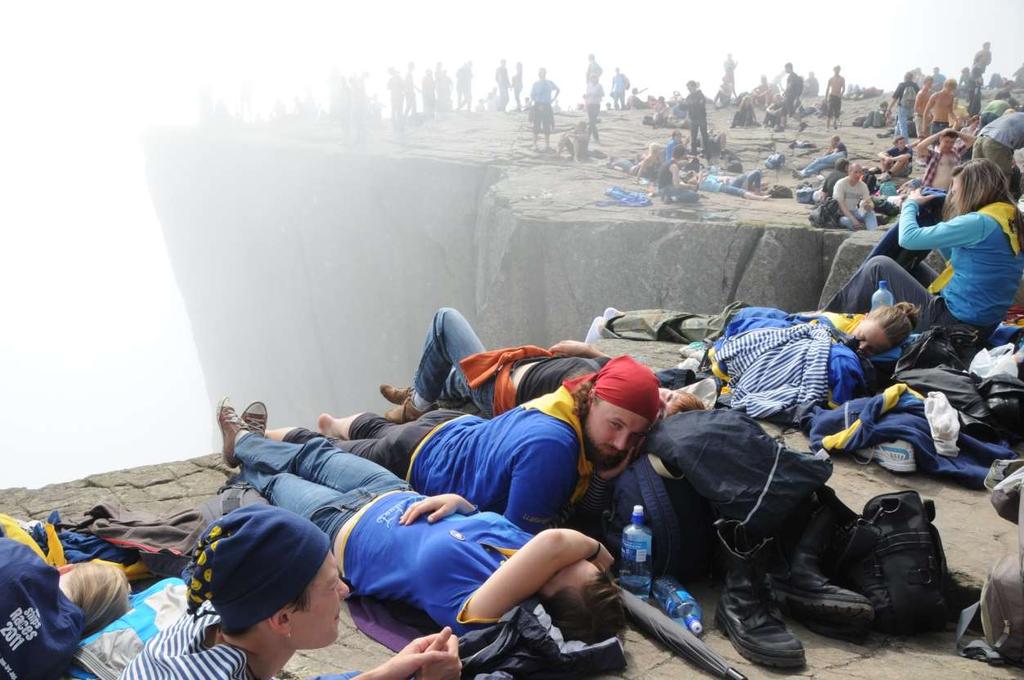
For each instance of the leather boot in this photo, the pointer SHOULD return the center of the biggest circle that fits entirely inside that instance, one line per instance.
(806, 593)
(396, 395)
(746, 611)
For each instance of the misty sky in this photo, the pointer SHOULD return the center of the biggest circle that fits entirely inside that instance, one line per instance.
(98, 369)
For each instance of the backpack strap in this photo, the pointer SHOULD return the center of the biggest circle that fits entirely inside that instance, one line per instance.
(663, 521)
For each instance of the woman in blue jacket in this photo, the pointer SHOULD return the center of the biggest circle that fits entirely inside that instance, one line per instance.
(981, 240)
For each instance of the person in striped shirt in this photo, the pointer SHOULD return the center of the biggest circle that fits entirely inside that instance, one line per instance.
(264, 585)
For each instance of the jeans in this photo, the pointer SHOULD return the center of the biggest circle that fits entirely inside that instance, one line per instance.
(819, 164)
(903, 117)
(701, 126)
(313, 479)
(865, 216)
(439, 376)
(618, 100)
(748, 180)
(592, 111)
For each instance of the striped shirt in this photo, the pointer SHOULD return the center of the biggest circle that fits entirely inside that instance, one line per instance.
(775, 368)
(180, 652)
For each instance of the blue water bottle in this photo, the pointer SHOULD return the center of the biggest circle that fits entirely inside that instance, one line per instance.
(635, 566)
(678, 603)
(882, 296)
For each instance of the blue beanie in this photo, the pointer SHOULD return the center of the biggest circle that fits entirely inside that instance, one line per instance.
(253, 561)
(40, 626)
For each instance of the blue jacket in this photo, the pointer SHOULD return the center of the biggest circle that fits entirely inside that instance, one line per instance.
(898, 413)
(986, 270)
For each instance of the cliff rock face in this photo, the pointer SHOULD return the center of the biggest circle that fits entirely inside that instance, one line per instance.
(310, 270)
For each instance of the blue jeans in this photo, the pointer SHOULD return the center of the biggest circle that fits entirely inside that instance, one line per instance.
(313, 479)
(903, 117)
(865, 216)
(818, 164)
(439, 376)
(748, 180)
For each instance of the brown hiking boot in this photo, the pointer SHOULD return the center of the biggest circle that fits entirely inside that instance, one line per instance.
(396, 395)
(406, 413)
(230, 425)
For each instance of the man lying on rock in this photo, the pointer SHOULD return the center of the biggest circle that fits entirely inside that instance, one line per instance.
(455, 369)
(528, 463)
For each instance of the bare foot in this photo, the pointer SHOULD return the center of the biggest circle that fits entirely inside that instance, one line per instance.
(329, 426)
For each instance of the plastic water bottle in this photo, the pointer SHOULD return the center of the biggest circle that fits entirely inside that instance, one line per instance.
(635, 567)
(678, 603)
(882, 296)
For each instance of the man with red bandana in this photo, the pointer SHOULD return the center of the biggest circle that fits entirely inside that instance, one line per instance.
(527, 463)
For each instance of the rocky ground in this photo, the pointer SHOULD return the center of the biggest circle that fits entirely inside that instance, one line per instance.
(550, 187)
(973, 535)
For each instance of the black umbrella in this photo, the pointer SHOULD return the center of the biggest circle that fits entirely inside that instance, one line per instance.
(677, 638)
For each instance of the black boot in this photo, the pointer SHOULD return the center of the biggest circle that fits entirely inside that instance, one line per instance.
(746, 612)
(807, 594)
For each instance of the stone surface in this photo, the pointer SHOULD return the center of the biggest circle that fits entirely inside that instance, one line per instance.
(972, 533)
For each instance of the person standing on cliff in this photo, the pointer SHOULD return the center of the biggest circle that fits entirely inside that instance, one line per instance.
(429, 94)
(543, 94)
(592, 99)
(620, 84)
(503, 83)
(517, 84)
(834, 92)
(593, 68)
(983, 57)
(464, 86)
(443, 89)
(697, 114)
(410, 91)
(397, 88)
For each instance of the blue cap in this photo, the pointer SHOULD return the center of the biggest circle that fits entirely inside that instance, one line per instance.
(253, 561)
(41, 626)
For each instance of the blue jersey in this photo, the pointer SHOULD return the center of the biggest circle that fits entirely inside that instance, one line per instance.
(434, 567)
(522, 464)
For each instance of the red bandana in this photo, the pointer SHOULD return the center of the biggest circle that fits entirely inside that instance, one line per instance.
(627, 384)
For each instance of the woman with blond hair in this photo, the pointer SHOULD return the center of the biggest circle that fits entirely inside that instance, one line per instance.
(981, 238)
(45, 612)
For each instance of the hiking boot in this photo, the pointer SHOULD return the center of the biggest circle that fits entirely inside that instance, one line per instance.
(746, 612)
(230, 425)
(806, 593)
(255, 418)
(405, 413)
(396, 395)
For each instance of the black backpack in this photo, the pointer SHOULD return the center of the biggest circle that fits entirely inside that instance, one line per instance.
(1004, 396)
(951, 346)
(893, 555)
(826, 215)
(679, 520)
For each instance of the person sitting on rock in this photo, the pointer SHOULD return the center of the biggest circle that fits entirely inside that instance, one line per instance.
(745, 116)
(897, 159)
(671, 186)
(265, 585)
(981, 232)
(763, 94)
(575, 142)
(463, 566)
(836, 150)
(840, 171)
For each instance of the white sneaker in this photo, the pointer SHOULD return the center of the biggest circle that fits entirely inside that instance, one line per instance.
(897, 456)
